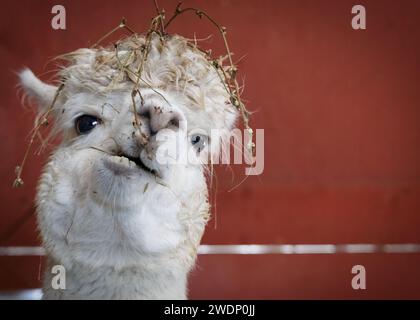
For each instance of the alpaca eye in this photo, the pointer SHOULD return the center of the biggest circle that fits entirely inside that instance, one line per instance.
(199, 141)
(85, 123)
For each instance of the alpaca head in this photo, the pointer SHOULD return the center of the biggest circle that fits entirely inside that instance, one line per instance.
(107, 195)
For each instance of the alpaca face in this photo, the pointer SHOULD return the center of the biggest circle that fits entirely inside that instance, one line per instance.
(112, 192)
(106, 185)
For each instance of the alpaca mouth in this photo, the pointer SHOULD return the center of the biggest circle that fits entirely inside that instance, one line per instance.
(122, 164)
(140, 164)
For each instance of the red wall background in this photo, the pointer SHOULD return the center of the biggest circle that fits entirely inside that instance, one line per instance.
(341, 113)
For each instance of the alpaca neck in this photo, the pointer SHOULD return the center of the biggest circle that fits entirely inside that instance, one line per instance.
(134, 282)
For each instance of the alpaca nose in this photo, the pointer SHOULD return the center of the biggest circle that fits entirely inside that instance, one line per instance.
(160, 118)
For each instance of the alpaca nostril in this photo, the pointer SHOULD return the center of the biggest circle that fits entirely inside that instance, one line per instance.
(165, 120)
(145, 114)
(174, 123)
(155, 118)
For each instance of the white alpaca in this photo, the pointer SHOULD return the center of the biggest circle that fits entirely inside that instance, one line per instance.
(123, 225)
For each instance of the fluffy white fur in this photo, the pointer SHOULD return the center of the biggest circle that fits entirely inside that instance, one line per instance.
(119, 231)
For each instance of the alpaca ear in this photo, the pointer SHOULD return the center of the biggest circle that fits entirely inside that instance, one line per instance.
(41, 92)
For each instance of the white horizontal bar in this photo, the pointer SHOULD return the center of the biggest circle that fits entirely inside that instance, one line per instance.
(401, 248)
(309, 248)
(28, 294)
(264, 249)
(22, 251)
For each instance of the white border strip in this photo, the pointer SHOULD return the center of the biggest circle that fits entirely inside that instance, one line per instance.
(263, 249)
